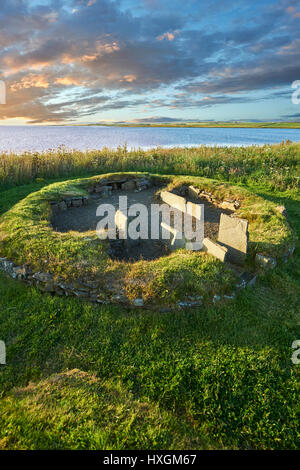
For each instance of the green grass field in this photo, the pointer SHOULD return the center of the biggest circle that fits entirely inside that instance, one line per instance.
(80, 376)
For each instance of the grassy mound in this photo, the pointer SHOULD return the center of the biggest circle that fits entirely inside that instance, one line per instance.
(26, 237)
(77, 410)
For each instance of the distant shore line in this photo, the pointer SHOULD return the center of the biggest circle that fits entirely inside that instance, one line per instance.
(245, 125)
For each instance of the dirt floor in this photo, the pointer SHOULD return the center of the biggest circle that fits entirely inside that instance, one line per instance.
(83, 219)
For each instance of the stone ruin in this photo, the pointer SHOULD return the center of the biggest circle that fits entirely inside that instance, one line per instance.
(229, 245)
(232, 243)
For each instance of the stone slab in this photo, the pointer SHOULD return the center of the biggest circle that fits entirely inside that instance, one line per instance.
(128, 186)
(193, 192)
(265, 262)
(233, 234)
(195, 210)
(178, 202)
(215, 249)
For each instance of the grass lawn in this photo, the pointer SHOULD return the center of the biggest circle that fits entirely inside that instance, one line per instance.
(80, 376)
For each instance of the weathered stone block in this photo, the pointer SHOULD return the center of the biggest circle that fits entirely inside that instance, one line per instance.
(142, 184)
(230, 205)
(103, 190)
(246, 279)
(193, 192)
(138, 302)
(281, 210)
(62, 206)
(195, 210)
(43, 277)
(128, 186)
(20, 272)
(178, 202)
(265, 262)
(233, 234)
(77, 202)
(215, 249)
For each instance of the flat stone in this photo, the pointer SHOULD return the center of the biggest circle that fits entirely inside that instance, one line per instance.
(62, 206)
(178, 243)
(265, 262)
(281, 209)
(230, 205)
(20, 272)
(142, 184)
(138, 303)
(193, 192)
(103, 190)
(214, 249)
(229, 297)
(189, 303)
(49, 287)
(8, 267)
(68, 202)
(246, 279)
(43, 277)
(216, 298)
(120, 298)
(207, 196)
(233, 234)
(178, 202)
(77, 202)
(128, 186)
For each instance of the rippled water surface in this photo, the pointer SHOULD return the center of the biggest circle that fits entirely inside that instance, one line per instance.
(39, 138)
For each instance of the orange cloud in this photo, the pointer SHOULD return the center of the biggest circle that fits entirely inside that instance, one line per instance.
(91, 55)
(169, 36)
(292, 11)
(30, 81)
(129, 78)
(67, 81)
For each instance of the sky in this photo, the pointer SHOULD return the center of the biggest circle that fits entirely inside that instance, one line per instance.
(88, 61)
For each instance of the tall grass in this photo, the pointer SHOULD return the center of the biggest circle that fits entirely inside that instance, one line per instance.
(276, 166)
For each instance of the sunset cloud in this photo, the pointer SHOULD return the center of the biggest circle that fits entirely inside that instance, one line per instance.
(67, 81)
(69, 60)
(168, 35)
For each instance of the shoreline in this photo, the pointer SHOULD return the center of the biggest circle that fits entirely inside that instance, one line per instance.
(176, 125)
(204, 125)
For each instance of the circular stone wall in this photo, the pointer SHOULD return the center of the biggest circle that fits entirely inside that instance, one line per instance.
(49, 239)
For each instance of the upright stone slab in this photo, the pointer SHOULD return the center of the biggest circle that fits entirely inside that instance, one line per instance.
(195, 210)
(233, 234)
(193, 192)
(173, 200)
